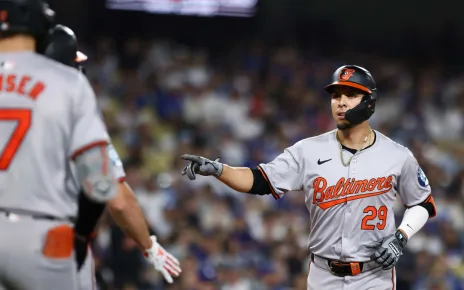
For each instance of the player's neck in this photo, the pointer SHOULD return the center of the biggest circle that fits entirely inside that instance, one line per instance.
(353, 137)
(17, 43)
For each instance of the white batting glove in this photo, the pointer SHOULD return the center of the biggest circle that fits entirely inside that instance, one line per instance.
(163, 261)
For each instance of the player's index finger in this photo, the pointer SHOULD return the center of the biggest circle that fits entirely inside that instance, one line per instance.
(189, 157)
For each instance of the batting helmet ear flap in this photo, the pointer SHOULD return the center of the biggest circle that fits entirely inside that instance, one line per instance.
(363, 111)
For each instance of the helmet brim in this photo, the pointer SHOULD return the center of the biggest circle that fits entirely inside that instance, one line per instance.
(330, 87)
(80, 57)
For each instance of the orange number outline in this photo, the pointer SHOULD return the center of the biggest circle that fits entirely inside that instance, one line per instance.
(373, 212)
(23, 117)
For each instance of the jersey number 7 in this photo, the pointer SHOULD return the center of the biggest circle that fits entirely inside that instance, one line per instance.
(23, 119)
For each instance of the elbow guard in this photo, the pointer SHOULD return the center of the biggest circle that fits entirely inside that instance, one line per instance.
(89, 213)
(95, 175)
(429, 205)
(260, 185)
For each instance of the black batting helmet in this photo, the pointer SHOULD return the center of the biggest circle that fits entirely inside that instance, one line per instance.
(361, 79)
(61, 45)
(31, 17)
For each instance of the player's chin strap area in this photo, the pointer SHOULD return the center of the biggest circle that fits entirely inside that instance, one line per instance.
(361, 112)
(17, 213)
(342, 269)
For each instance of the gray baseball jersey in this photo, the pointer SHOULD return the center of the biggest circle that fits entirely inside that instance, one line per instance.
(351, 206)
(48, 113)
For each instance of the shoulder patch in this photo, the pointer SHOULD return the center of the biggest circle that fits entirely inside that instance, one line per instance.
(423, 181)
(114, 156)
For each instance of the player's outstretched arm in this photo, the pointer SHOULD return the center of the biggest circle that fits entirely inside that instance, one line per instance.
(242, 179)
(128, 215)
(239, 178)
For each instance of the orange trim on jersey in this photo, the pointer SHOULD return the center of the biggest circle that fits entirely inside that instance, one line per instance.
(351, 84)
(122, 179)
(328, 204)
(87, 147)
(276, 196)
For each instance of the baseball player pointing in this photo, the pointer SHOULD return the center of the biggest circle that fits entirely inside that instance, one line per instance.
(350, 177)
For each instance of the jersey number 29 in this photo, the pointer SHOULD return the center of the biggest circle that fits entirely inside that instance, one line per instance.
(23, 119)
(372, 213)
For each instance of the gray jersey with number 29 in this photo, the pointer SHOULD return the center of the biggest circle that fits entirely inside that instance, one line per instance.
(351, 206)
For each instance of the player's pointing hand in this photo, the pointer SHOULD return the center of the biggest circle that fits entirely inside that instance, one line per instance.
(201, 165)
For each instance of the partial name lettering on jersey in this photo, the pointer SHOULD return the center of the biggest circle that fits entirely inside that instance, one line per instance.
(23, 85)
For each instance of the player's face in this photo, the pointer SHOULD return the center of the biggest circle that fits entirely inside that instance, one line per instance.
(343, 99)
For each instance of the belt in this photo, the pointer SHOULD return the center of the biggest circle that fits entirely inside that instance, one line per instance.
(342, 269)
(11, 213)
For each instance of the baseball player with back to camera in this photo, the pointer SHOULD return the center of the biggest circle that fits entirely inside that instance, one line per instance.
(61, 45)
(350, 177)
(49, 123)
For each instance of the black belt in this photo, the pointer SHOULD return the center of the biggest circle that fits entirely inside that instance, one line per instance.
(35, 215)
(342, 269)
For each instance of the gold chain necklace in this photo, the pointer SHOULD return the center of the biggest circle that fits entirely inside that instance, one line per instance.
(368, 137)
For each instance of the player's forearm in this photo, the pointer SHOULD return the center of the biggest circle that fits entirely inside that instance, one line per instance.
(237, 178)
(128, 215)
(413, 220)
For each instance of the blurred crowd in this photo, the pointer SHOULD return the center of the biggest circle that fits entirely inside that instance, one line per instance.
(245, 104)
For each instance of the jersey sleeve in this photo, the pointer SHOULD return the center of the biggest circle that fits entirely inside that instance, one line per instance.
(117, 165)
(413, 185)
(88, 128)
(285, 172)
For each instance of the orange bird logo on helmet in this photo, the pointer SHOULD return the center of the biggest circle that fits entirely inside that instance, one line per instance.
(346, 74)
